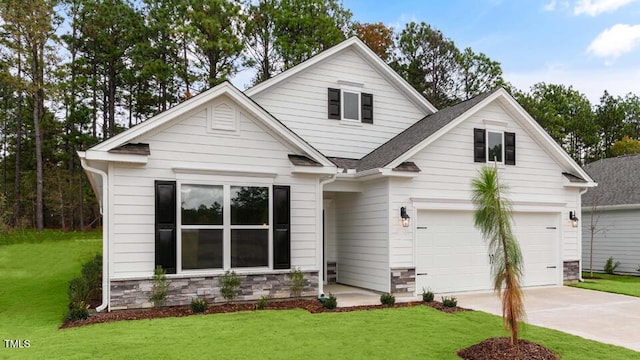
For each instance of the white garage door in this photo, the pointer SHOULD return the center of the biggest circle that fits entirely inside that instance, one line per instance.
(451, 255)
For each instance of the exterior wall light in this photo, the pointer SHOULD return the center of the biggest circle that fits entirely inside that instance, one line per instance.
(574, 219)
(404, 216)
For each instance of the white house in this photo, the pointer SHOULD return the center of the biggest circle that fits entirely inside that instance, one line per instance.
(336, 167)
(612, 211)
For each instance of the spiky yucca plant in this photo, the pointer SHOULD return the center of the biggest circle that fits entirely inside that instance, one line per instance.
(493, 218)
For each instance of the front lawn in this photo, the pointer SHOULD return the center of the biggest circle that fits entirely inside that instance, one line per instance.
(33, 299)
(619, 284)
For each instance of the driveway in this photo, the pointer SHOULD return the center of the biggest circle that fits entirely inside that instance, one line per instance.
(596, 315)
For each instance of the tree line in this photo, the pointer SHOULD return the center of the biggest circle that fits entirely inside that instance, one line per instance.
(75, 72)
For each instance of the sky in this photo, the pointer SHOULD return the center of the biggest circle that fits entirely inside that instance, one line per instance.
(592, 45)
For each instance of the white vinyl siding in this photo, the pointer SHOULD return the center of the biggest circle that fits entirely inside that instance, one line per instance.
(617, 235)
(300, 102)
(448, 168)
(362, 237)
(185, 143)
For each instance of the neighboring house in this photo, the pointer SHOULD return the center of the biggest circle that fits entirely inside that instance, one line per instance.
(336, 167)
(612, 210)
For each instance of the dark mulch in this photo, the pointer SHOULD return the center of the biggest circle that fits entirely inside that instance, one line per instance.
(500, 348)
(313, 306)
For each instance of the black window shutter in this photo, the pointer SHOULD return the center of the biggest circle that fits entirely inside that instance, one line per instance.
(166, 225)
(479, 145)
(510, 148)
(334, 104)
(281, 227)
(366, 101)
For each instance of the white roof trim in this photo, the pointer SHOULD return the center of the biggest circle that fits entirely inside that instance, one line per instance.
(589, 209)
(547, 142)
(357, 45)
(225, 88)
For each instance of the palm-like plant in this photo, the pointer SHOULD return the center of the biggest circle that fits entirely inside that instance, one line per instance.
(493, 217)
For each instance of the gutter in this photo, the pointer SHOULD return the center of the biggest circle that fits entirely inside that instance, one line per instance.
(104, 211)
(320, 202)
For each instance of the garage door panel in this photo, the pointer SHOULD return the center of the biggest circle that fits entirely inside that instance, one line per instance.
(451, 254)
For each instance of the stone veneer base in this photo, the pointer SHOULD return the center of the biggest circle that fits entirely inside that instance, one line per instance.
(403, 280)
(134, 294)
(571, 271)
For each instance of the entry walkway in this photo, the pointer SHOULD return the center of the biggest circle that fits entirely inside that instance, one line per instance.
(604, 317)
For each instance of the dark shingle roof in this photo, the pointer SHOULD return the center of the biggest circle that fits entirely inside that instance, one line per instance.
(573, 178)
(417, 132)
(133, 149)
(345, 163)
(618, 181)
(407, 166)
(301, 160)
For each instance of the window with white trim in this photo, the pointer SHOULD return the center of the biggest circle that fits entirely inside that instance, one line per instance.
(350, 105)
(224, 226)
(495, 146)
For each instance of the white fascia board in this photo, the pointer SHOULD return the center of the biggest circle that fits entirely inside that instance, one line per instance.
(611, 207)
(369, 55)
(313, 170)
(232, 170)
(111, 157)
(569, 184)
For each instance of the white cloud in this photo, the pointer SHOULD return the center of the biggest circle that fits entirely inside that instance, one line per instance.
(615, 41)
(551, 6)
(597, 7)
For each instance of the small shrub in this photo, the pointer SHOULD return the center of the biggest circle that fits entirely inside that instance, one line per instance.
(427, 295)
(262, 303)
(199, 305)
(77, 311)
(610, 266)
(449, 301)
(159, 288)
(387, 299)
(331, 302)
(297, 282)
(229, 284)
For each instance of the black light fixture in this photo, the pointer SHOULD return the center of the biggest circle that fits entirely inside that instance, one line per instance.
(574, 219)
(404, 216)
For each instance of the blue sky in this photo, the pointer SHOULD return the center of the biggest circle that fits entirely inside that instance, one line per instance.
(593, 45)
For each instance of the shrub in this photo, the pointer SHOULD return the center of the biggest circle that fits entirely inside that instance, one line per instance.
(199, 305)
(262, 303)
(85, 288)
(159, 288)
(77, 311)
(387, 299)
(427, 295)
(229, 284)
(610, 266)
(449, 301)
(297, 282)
(331, 302)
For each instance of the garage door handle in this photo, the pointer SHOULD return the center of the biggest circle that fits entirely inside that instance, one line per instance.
(422, 274)
(551, 267)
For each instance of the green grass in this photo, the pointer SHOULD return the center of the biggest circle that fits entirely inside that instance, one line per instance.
(619, 284)
(33, 299)
(33, 237)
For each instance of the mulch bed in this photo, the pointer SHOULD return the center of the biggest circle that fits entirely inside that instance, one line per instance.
(500, 348)
(313, 306)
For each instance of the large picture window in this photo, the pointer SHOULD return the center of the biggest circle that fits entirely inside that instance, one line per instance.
(224, 226)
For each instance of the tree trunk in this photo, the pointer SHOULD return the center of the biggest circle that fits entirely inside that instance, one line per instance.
(38, 109)
(17, 176)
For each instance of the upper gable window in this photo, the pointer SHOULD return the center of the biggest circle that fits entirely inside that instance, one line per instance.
(498, 146)
(350, 105)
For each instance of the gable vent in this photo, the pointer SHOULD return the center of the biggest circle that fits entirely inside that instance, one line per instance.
(222, 117)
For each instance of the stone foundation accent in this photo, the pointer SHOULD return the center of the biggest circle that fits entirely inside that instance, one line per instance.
(133, 294)
(403, 280)
(571, 271)
(332, 272)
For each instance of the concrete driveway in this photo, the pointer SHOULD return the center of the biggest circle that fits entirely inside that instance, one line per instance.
(600, 316)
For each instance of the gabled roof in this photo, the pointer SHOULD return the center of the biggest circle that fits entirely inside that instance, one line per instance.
(372, 58)
(416, 133)
(118, 144)
(618, 181)
(406, 144)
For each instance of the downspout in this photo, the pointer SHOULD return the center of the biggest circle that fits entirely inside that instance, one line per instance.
(320, 202)
(580, 279)
(104, 210)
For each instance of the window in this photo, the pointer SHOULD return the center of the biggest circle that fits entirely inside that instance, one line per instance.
(494, 147)
(224, 226)
(350, 105)
(489, 146)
